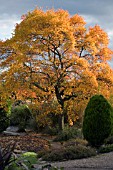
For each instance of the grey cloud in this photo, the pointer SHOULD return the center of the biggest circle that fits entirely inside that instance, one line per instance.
(80, 6)
(100, 11)
(98, 8)
(17, 7)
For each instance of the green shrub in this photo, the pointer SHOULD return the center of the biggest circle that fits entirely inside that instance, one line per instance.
(68, 133)
(106, 148)
(20, 116)
(79, 152)
(4, 120)
(56, 155)
(97, 120)
(69, 153)
(112, 123)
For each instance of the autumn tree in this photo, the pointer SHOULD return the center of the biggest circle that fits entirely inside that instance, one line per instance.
(53, 55)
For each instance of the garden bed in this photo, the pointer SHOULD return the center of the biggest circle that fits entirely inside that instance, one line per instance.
(28, 142)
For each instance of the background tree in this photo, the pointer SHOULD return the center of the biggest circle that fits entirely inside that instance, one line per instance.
(53, 56)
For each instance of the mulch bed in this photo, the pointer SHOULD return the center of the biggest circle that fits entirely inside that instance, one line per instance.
(29, 142)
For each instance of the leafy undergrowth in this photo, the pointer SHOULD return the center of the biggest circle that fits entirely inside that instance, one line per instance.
(31, 142)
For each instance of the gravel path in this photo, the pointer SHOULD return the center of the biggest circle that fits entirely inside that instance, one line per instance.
(100, 162)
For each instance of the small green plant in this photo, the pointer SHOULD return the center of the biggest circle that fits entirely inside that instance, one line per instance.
(109, 140)
(97, 121)
(106, 148)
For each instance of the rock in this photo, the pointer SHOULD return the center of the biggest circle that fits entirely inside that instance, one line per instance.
(13, 133)
(12, 129)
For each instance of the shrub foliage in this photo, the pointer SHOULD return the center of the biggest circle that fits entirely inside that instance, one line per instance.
(4, 121)
(20, 116)
(68, 133)
(97, 120)
(69, 153)
(106, 148)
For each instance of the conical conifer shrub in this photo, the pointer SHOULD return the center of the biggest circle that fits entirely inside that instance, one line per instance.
(97, 120)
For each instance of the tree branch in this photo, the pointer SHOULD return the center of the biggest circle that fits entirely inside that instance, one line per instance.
(68, 97)
(41, 88)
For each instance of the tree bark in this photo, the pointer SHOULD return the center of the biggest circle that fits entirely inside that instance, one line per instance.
(61, 122)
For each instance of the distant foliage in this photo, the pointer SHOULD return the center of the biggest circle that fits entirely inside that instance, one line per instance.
(97, 120)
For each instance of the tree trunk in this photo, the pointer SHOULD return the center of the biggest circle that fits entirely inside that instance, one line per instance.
(61, 122)
(61, 102)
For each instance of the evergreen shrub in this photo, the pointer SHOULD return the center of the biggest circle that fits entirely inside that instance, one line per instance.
(97, 120)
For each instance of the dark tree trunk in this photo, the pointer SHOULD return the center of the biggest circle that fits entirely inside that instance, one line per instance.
(61, 122)
(61, 102)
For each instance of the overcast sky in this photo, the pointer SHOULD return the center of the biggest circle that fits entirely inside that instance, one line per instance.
(94, 12)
